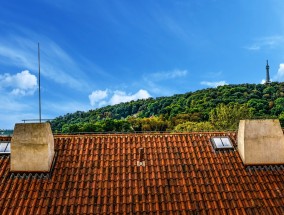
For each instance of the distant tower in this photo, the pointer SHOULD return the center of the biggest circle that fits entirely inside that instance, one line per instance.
(267, 81)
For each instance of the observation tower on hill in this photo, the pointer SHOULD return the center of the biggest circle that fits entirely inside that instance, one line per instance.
(267, 81)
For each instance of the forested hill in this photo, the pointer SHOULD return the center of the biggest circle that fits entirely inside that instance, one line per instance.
(189, 111)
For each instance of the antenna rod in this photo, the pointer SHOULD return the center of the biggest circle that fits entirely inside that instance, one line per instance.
(39, 96)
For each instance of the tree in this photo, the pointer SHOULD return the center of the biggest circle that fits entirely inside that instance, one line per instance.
(227, 117)
(180, 118)
(269, 90)
(153, 123)
(258, 106)
(278, 106)
(263, 100)
(281, 119)
(194, 126)
(70, 128)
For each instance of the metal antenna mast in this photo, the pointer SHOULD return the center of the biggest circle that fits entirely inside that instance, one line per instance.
(39, 95)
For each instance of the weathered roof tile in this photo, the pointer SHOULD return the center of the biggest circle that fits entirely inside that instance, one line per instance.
(182, 174)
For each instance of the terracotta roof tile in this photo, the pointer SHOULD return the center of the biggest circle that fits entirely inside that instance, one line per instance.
(183, 174)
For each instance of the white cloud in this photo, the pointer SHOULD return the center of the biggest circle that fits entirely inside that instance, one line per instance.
(214, 84)
(177, 73)
(56, 63)
(15, 109)
(121, 96)
(253, 47)
(157, 81)
(101, 98)
(269, 42)
(280, 73)
(97, 96)
(263, 81)
(23, 83)
(176, 28)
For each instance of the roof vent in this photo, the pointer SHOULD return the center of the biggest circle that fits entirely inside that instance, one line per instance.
(141, 161)
(261, 142)
(32, 147)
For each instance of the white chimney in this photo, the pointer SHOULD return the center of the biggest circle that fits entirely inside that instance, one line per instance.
(261, 142)
(32, 147)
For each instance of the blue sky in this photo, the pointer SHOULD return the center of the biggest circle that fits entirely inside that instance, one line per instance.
(96, 53)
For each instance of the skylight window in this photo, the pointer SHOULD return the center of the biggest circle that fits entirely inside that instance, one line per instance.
(222, 143)
(5, 148)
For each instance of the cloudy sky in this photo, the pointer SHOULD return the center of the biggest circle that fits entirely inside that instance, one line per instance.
(96, 53)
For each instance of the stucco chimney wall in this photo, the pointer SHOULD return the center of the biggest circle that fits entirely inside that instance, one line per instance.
(261, 142)
(32, 147)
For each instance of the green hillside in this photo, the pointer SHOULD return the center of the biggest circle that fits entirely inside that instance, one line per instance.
(207, 109)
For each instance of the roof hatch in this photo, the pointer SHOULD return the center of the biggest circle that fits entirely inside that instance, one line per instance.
(5, 147)
(222, 143)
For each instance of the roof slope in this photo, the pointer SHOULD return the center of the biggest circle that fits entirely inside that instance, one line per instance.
(98, 174)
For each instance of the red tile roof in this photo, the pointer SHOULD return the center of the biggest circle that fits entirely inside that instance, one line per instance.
(183, 174)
